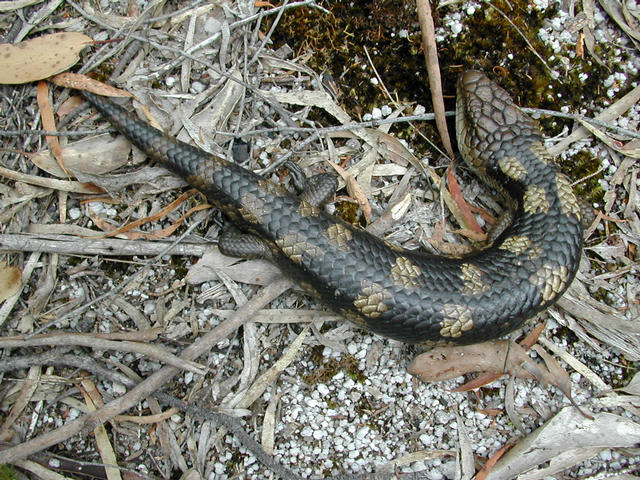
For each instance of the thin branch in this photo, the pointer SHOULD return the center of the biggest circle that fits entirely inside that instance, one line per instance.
(433, 69)
(73, 245)
(92, 341)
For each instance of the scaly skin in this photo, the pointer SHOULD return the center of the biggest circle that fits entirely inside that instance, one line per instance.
(406, 295)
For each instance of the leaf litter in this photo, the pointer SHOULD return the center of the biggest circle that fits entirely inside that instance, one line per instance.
(317, 426)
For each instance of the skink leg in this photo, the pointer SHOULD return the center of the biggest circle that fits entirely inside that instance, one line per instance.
(234, 243)
(316, 190)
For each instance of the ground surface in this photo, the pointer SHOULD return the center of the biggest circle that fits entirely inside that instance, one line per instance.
(294, 384)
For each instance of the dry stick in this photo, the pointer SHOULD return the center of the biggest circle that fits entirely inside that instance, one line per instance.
(146, 388)
(267, 37)
(286, 116)
(59, 357)
(73, 245)
(433, 69)
(233, 425)
(68, 339)
(62, 185)
(340, 128)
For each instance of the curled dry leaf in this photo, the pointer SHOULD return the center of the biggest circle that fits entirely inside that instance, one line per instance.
(445, 363)
(253, 272)
(500, 356)
(355, 190)
(40, 57)
(10, 280)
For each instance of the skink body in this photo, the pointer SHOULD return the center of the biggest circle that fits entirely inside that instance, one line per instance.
(406, 295)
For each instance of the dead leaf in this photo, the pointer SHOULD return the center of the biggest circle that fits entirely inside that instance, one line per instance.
(253, 272)
(486, 378)
(465, 215)
(392, 149)
(10, 6)
(564, 440)
(633, 387)
(10, 280)
(355, 190)
(126, 230)
(93, 155)
(486, 469)
(78, 81)
(49, 123)
(40, 57)
(499, 356)
(631, 149)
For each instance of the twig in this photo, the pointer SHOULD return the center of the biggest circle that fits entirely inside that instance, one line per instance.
(235, 427)
(91, 341)
(284, 114)
(267, 37)
(433, 69)
(73, 245)
(608, 114)
(431, 116)
(58, 357)
(76, 133)
(62, 185)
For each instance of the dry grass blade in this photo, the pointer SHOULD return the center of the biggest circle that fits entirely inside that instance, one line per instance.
(630, 149)
(9, 6)
(48, 123)
(93, 399)
(28, 388)
(614, 10)
(412, 457)
(158, 234)
(267, 378)
(463, 211)
(433, 70)
(355, 190)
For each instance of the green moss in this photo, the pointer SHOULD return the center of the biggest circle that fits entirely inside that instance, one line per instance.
(582, 165)
(328, 368)
(7, 472)
(350, 213)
